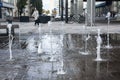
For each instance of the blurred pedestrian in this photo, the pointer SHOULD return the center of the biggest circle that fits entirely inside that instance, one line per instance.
(54, 12)
(36, 16)
(8, 16)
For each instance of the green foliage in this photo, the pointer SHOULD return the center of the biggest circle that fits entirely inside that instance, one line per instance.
(21, 5)
(37, 4)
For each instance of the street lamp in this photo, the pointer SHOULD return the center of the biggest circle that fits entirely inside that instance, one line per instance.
(66, 11)
(62, 10)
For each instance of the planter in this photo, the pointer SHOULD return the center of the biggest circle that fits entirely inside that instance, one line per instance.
(24, 18)
(44, 19)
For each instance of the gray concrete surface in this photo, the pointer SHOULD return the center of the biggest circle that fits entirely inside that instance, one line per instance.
(29, 65)
(28, 27)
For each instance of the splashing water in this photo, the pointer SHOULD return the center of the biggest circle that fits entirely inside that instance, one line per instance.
(60, 68)
(61, 65)
(85, 37)
(9, 26)
(31, 45)
(108, 46)
(52, 57)
(99, 42)
(40, 42)
(40, 48)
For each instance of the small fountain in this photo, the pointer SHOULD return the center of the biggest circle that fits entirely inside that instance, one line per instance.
(52, 58)
(85, 49)
(40, 41)
(49, 25)
(86, 38)
(108, 46)
(61, 67)
(9, 26)
(62, 27)
(31, 44)
(40, 48)
(99, 42)
(71, 45)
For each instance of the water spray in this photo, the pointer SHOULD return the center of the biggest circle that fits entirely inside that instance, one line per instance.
(99, 42)
(108, 40)
(9, 26)
(40, 42)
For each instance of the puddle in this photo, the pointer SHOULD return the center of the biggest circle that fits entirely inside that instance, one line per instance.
(64, 50)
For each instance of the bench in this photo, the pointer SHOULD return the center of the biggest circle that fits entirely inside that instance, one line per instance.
(12, 30)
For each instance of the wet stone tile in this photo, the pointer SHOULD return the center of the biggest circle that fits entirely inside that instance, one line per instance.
(63, 58)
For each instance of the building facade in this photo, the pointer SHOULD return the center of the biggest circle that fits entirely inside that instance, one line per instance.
(6, 5)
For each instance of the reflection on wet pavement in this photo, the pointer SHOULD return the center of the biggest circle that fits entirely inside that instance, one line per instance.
(66, 51)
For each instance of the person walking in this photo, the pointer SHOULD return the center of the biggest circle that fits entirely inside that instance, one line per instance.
(8, 16)
(36, 16)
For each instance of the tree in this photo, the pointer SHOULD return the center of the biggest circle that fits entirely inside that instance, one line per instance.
(33, 3)
(37, 4)
(21, 5)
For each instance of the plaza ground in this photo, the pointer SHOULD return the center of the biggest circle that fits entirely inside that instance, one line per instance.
(65, 44)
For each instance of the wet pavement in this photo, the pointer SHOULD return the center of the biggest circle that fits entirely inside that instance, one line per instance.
(62, 57)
